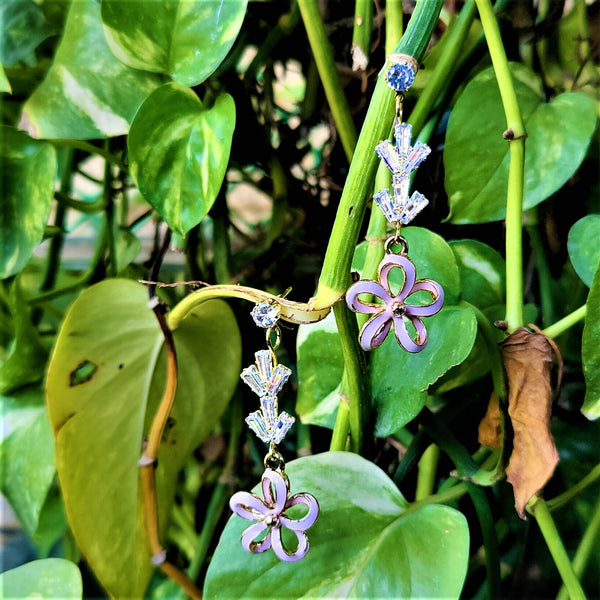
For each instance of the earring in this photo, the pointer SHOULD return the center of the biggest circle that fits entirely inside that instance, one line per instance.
(266, 378)
(399, 209)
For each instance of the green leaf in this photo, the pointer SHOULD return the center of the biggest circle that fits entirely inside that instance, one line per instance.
(399, 379)
(179, 151)
(366, 543)
(185, 40)
(24, 26)
(41, 579)
(113, 341)
(482, 272)
(476, 155)
(87, 93)
(320, 365)
(4, 83)
(27, 453)
(584, 250)
(26, 362)
(590, 351)
(27, 169)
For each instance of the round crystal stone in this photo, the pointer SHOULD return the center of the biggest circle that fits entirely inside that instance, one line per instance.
(265, 314)
(400, 76)
(398, 309)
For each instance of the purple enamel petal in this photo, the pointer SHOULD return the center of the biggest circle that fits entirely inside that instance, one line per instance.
(392, 261)
(251, 533)
(365, 286)
(374, 331)
(308, 520)
(437, 295)
(275, 490)
(282, 553)
(403, 337)
(248, 506)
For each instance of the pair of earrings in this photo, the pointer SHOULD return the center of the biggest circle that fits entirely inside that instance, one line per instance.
(266, 377)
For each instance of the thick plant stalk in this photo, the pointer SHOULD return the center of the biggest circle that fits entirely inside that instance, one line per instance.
(335, 274)
(361, 34)
(515, 135)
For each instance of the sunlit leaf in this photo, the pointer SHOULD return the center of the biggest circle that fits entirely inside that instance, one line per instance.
(476, 156)
(4, 83)
(47, 578)
(584, 249)
(186, 40)
(179, 151)
(87, 92)
(27, 455)
(100, 416)
(590, 351)
(27, 169)
(363, 545)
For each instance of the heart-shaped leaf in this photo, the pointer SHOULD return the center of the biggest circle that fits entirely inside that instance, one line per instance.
(185, 40)
(476, 156)
(366, 543)
(26, 451)
(590, 351)
(105, 380)
(584, 251)
(27, 168)
(47, 578)
(87, 93)
(179, 151)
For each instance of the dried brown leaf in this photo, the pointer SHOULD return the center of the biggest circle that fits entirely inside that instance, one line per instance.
(527, 358)
(490, 428)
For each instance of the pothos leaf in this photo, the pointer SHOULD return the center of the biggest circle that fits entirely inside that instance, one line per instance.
(105, 380)
(179, 150)
(366, 542)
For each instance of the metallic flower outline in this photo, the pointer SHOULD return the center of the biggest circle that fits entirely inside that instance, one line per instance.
(394, 308)
(270, 516)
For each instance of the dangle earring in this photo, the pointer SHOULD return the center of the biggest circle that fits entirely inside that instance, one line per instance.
(266, 378)
(399, 209)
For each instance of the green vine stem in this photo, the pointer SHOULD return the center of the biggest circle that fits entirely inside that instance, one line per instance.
(515, 135)
(361, 34)
(341, 426)
(538, 508)
(572, 492)
(584, 550)
(323, 54)
(565, 323)
(354, 381)
(334, 278)
(427, 470)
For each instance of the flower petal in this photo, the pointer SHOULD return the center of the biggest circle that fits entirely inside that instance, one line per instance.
(308, 520)
(253, 532)
(437, 299)
(366, 286)
(404, 338)
(374, 331)
(392, 261)
(275, 490)
(248, 506)
(282, 553)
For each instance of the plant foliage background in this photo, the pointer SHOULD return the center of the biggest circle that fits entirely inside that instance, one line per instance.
(199, 141)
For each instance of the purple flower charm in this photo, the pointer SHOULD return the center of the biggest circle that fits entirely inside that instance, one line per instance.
(394, 309)
(270, 516)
